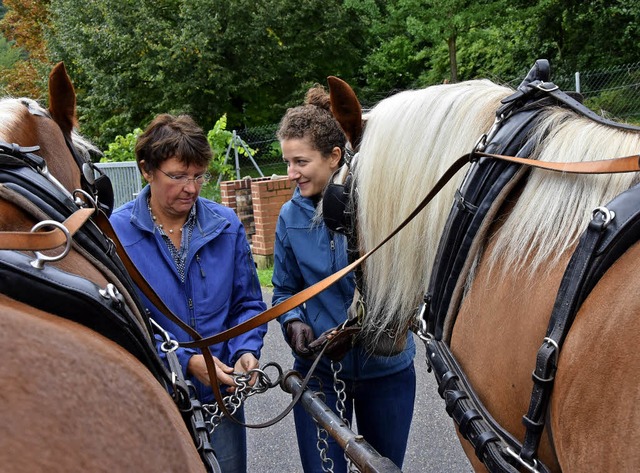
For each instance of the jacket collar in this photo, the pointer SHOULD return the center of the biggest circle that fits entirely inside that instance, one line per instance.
(208, 221)
(304, 202)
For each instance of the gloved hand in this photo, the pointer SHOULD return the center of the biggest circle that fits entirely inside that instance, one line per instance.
(339, 340)
(299, 336)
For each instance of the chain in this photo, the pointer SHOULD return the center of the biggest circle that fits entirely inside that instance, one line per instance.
(323, 444)
(243, 391)
(341, 396)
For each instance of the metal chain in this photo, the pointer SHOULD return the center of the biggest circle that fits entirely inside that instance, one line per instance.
(243, 391)
(341, 396)
(323, 445)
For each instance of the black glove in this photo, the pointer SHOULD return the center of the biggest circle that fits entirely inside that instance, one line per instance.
(299, 336)
(339, 341)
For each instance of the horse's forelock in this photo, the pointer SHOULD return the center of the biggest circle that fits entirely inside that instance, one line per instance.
(12, 116)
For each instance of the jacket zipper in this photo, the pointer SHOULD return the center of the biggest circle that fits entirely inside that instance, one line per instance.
(200, 265)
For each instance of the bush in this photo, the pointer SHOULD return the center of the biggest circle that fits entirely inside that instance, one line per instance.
(123, 148)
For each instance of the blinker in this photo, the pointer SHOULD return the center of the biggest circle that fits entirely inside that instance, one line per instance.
(336, 206)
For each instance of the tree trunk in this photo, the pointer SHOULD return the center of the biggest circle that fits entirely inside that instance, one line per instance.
(453, 61)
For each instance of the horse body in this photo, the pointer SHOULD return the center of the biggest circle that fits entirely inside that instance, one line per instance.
(73, 399)
(510, 284)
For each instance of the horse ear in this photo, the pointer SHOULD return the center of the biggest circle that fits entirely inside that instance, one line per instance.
(62, 99)
(346, 108)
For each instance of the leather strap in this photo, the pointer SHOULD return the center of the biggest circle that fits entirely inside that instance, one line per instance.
(37, 241)
(604, 166)
(625, 164)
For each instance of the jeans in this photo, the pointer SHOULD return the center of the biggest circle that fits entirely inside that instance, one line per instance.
(383, 410)
(229, 441)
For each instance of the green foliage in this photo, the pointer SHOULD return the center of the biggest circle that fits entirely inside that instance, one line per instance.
(220, 138)
(9, 54)
(265, 275)
(133, 59)
(617, 103)
(122, 148)
(251, 59)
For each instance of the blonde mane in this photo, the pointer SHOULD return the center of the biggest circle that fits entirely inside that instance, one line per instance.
(411, 139)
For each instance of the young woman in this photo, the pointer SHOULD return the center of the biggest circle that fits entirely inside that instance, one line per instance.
(195, 254)
(380, 390)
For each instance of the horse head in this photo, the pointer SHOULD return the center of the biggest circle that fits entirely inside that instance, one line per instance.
(51, 134)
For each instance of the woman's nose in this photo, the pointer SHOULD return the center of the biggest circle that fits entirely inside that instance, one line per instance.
(292, 173)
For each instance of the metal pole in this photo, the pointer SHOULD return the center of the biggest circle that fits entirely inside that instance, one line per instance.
(577, 76)
(363, 455)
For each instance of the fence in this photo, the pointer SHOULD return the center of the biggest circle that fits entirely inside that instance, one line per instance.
(125, 178)
(612, 92)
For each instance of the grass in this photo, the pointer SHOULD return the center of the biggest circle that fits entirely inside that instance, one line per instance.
(265, 277)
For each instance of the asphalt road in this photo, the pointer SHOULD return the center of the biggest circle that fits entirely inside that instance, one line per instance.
(433, 445)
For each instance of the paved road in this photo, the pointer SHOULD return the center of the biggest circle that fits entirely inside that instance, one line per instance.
(433, 446)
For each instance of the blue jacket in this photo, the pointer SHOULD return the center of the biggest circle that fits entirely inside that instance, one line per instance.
(306, 253)
(221, 287)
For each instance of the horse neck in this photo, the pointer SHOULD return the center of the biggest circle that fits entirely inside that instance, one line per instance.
(554, 209)
(410, 140)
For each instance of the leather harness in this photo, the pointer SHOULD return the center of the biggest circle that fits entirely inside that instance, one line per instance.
(613, 229)
(114, 311)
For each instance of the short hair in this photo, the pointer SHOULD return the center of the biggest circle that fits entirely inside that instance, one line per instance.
(313, 121)
(169, 136)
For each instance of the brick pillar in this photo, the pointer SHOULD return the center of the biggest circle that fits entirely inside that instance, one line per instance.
(257, 203)
(268, 196)
(237, 196)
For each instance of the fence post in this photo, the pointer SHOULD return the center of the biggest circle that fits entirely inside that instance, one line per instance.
(577, 82)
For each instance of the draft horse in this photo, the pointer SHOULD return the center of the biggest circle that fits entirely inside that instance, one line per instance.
(491, 304)
(72, 398)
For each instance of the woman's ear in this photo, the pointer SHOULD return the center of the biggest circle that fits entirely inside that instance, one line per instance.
(147, 176)
(335, 157)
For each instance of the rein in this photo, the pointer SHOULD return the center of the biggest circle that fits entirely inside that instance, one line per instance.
(617, 165)
(47, 240)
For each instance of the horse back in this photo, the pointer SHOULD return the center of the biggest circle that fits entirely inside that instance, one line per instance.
(91, 402)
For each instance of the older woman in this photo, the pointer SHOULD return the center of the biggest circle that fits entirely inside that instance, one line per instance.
(195, 254)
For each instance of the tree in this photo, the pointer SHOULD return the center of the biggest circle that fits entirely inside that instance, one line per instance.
(247, 58)
(23, 24)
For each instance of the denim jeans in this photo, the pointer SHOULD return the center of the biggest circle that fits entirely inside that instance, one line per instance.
(383, 410)
(229, 441)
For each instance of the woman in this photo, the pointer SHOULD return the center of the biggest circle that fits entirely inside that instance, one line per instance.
(195, 255)
(380, 390)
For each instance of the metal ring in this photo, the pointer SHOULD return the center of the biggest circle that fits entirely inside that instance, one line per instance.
(533, 468)
(38, 263)
(607, 214)
(88, 199)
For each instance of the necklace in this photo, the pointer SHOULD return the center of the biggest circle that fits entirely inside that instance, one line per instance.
(155, 220)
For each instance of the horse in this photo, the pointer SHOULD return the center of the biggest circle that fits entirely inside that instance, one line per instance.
(502, 302)
(72, 399)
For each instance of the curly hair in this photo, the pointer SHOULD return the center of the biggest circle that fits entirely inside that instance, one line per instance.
(313, 121)
(169, 136)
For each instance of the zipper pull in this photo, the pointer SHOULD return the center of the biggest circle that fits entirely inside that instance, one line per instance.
(200, 265)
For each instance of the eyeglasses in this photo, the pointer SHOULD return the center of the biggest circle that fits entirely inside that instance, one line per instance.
(184, 180)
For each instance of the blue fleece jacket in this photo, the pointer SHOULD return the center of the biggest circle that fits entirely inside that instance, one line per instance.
(305, 253)
(221, 287)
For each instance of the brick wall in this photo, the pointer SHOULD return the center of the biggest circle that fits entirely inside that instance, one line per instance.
(257, 203)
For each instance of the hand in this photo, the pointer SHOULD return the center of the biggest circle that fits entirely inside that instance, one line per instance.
(198, 368)
(299, 336)
(246, 363)
(339, 341)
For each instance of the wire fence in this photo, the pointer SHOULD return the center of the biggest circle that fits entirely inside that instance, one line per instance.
(613, 93)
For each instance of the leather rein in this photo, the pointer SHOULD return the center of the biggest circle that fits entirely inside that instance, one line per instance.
(38, 240)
